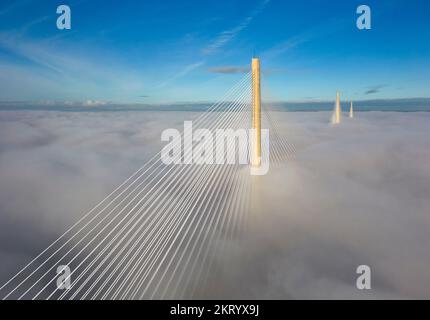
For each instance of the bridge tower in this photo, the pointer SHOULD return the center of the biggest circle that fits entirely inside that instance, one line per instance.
(337, 110)
(256, 113)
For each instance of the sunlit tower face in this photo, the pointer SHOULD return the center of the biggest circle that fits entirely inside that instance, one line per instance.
(337, 110)
(256, 113)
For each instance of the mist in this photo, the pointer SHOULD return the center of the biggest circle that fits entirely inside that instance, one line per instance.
(354, 194)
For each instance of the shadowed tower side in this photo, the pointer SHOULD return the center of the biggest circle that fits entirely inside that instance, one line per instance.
(256, 113)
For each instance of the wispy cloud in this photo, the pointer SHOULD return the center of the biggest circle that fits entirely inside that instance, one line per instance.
(226, 36)
(374, 89)
(303, 37)
(13, 6)
(62, 69)
(45, 54)
(187, 69)
(221, 40)
(286, 45)
(32, 23)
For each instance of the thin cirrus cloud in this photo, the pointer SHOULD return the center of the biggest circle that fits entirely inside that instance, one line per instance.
(15, 5)
(187, 69)
(307, 36)
(226, 36)
(285, 46)
(216, 44)
(60, 69)
(70, 74)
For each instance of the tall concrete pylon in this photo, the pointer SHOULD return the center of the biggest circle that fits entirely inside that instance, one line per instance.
(337, 110)
(256, 113)
(351, 111)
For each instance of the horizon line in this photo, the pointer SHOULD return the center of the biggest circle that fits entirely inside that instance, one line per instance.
(100, 103)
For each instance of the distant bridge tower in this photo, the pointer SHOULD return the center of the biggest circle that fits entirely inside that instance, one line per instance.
(351, 111)
(337, 110)
(256, 113)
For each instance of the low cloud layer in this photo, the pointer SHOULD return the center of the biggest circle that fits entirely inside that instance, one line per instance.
(355, 194)
(308, 104)
(55, 166)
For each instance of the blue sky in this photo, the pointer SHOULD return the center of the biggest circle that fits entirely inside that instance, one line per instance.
(175, 51)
